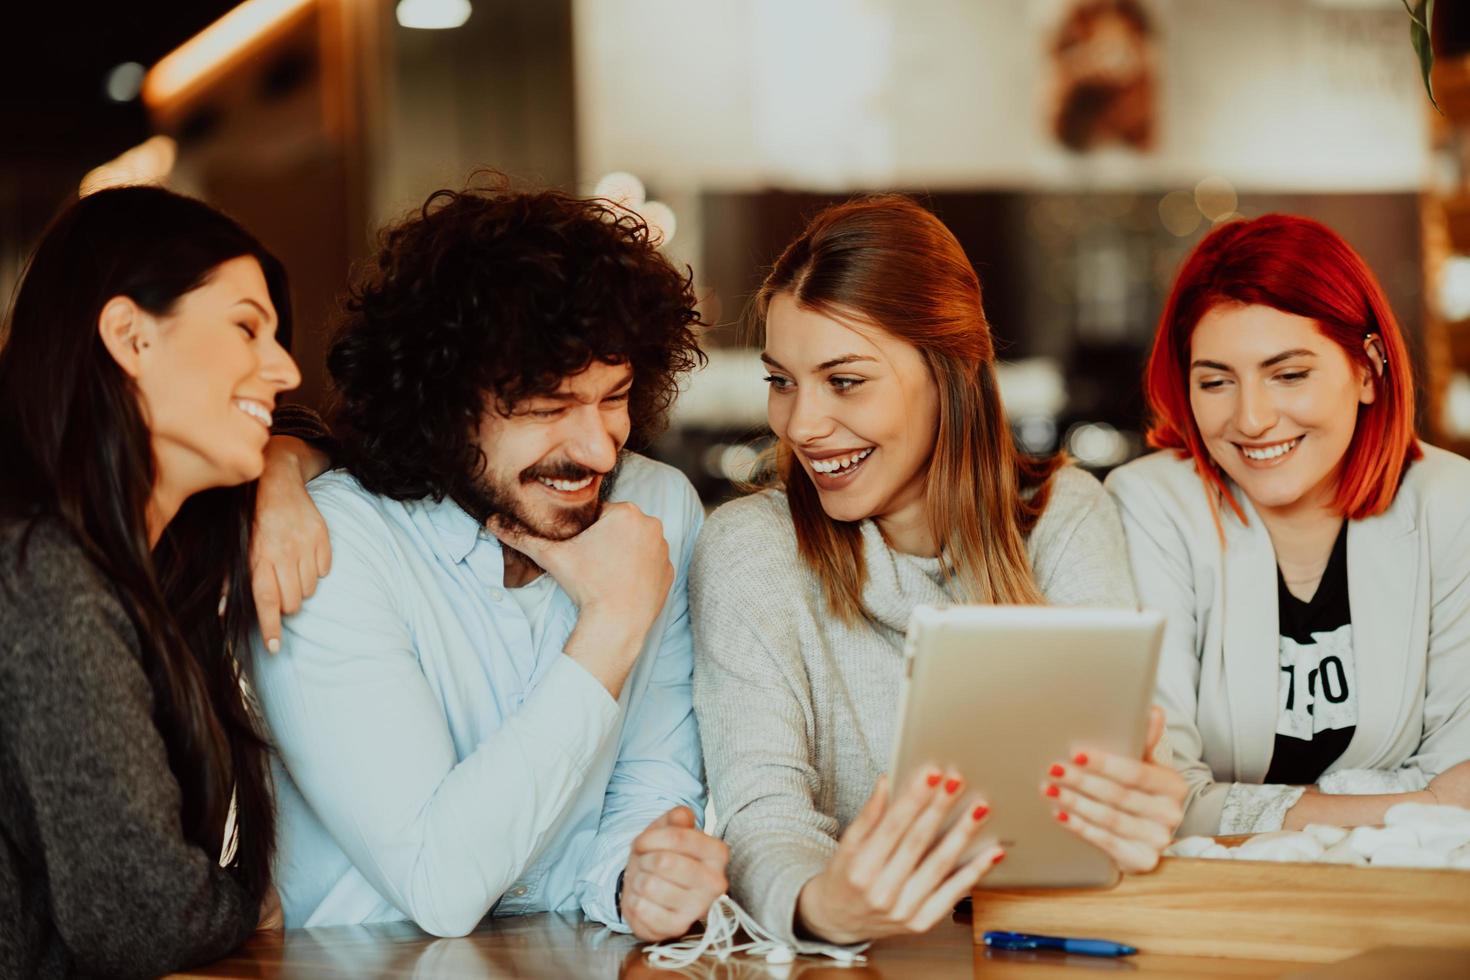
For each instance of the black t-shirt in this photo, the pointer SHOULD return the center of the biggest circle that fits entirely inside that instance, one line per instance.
(1317, 687)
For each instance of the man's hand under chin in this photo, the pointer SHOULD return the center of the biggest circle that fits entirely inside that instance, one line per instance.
(618, 573)
(674, 874)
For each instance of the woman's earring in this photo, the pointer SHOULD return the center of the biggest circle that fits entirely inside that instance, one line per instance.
(1375, 354)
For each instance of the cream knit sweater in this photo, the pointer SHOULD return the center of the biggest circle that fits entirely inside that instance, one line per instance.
(796, 709)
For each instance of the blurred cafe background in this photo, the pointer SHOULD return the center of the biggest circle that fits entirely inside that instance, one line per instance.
(1077, 148)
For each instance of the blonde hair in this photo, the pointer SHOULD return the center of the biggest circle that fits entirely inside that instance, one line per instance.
(887, 261)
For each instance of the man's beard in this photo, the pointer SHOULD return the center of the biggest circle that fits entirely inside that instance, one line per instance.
(488, 497)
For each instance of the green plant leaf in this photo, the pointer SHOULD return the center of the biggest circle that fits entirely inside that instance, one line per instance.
(1421, 15)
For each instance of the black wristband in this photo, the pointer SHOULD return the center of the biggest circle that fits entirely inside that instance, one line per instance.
(618, 895)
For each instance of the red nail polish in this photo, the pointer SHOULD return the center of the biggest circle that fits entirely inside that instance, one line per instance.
(1057, 772)
(951, 785)
(1053, 792)
(1080, 758)
(999, 857)
(979, 813)
(933, 779)
(1062, 816)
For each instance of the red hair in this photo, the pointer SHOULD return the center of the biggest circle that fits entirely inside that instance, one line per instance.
(1302, 267)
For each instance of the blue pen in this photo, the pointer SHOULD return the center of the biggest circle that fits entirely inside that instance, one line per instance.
(1087, 947)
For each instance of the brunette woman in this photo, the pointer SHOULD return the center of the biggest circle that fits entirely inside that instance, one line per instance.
(1312, 556)
(901, 486)
(137, 383)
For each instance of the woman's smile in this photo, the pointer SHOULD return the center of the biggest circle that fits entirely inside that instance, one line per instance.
(1267, 455)
(834, 472)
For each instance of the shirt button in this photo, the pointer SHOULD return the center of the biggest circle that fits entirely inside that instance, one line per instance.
(520, 891)
(496, 595)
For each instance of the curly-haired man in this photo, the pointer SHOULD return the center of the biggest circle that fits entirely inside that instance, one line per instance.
(462, 732)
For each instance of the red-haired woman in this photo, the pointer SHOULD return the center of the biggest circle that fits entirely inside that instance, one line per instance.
(1312, 557)
(901, 486)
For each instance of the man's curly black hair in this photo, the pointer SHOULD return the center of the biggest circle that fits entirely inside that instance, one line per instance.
(482, 298)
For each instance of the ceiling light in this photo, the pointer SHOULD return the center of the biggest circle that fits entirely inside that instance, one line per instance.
(210, 49)
(433, 15)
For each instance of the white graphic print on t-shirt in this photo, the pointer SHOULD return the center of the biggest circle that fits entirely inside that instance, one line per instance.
(1317, 690)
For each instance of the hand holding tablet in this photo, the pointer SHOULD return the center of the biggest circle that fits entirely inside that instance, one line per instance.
(901, 865)
(1025, 734)
(1127, 808)
(1045, 711)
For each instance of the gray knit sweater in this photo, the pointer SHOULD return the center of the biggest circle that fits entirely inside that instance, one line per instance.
(95, 874)
(796, 709)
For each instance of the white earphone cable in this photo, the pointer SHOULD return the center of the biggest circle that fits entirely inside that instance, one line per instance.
(723, 924)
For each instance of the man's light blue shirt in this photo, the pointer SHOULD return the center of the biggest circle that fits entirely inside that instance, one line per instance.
(435, 762)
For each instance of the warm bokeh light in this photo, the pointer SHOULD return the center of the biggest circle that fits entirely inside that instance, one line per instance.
(150, 162)
(1456, 419)
(1097, 444)
(736, 462)
(1453, 294)
(213, 46)
(1036, 434)
(621, 188)
(1180, 215)
(1215, 197)
(660, 220)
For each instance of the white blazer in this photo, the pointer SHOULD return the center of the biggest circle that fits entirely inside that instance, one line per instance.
(1409, 589)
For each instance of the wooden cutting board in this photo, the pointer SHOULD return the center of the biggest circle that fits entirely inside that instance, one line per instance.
(1253, 909)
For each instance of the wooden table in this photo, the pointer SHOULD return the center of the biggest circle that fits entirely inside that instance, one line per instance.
(563, 946)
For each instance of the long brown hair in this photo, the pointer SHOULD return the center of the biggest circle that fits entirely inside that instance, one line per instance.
(75, 450)
(889, 262)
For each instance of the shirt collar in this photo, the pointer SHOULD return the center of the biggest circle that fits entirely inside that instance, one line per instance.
(457, 530)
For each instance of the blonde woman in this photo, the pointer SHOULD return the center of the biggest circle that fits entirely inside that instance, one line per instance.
(900, 486)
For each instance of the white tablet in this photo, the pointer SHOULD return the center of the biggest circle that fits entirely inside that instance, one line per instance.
(1002, 692)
